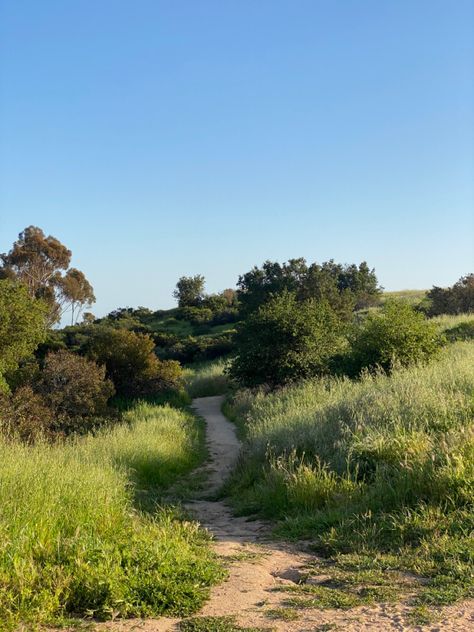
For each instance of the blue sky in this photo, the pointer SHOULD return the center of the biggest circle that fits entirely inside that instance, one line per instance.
(166, 138)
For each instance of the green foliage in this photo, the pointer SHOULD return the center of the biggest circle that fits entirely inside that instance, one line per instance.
(74, 387)
(22, 326)
(381, 467)
(396, 334)
(457, 299)
(195, 315)
(37, 261)
(189, 291)
(25, 415)
(343, 287)
(73, 544)
(286, 340)
(131, 362)
(214, 624)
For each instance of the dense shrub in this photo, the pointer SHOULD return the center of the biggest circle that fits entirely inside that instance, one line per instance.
(286, 340)
(25, 415)
(194, 315)
(396, 334)
(457, 299)
(198, 349)
(132, 364)
(74, 386)
(462, 331)
(22, 326)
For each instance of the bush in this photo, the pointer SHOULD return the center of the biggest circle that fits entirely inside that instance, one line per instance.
(132, 364)
(74, 386)
(457, 299)
(286, 340)
(462, 331)
(397, 334)
(25, 415)
(194, 315)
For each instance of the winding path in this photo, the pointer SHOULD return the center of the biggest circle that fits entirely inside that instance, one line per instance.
(259, 567)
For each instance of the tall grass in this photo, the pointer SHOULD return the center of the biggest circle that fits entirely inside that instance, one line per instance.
(381, 466)
(72, 541)
(206, 379)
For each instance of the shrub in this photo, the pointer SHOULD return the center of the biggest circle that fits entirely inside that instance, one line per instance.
(286, 340)
(194, 315)
(25, 415)
(452, 300)
(74, 386)
(462, 331)
(132, 364)
(397, 334)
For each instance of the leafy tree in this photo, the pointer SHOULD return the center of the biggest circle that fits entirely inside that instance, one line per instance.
(75, 293)
(131, 362)
(344, 287)
(286, 340)
(457, 299)
(189, 291)
(22, 326)
(397, 334)
(37, 261)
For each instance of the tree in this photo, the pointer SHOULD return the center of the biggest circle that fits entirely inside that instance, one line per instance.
(75, 293)
(397, 334)
(22, 326)
(286, 340)
(457, 299)
(131, 362)
(37, 261)
(189, 291)
(344, 287)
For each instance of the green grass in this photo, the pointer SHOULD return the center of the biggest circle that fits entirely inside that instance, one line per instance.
(74, 543)
(381, 468)
(215, 624)
(206, 378)
(413, 297)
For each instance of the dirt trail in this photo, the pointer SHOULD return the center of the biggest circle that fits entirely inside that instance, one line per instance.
(258, 567)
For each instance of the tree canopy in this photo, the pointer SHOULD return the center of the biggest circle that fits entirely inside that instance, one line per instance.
(38, 261)
(189, 291)
(22, 325)
(345, 287)
(285, 340)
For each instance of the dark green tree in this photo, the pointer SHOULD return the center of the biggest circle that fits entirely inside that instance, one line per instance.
(189, 291)
(286, 340)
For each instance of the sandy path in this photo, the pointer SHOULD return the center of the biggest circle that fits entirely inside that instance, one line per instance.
(258, 566)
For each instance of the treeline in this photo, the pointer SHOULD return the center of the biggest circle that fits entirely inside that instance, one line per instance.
(283, 322)
(51, 385)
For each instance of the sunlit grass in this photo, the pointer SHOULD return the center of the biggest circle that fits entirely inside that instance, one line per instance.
(72, 541)
(382, 466)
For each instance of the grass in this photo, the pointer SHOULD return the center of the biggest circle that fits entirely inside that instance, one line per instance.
(381, 468)
(206, 379)
(215, 624)
(413, 297)
(73, 542)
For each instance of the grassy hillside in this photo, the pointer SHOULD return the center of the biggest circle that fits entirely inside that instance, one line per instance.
(376, 473)
(73, 540)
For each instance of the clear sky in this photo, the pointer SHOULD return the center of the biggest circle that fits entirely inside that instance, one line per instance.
(166, 138)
